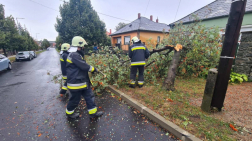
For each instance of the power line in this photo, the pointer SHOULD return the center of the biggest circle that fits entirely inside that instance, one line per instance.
(97, 12)
(44, 5)
(147, 7)
(113, 17)
(177, 11)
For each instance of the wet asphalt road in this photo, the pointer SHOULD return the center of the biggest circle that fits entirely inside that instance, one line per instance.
(30, 109)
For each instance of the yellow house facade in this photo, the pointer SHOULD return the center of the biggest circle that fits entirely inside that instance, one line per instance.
(143, 28)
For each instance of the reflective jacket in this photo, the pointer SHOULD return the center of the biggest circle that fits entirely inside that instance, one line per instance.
(77, 72)
(63, 59)
(138, 53)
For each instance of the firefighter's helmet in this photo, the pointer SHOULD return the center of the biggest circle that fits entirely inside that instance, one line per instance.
(78, 41)
(135, 39)
(65, 46)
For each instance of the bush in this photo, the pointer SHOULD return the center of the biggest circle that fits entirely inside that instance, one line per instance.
(237, 78)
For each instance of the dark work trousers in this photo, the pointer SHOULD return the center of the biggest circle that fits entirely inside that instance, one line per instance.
(133, 72)
(76, 97)
(64, 88)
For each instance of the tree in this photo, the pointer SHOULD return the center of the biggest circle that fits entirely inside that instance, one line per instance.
(10, 39)
(45, 44)
(108, 41)
(59, 42)
(201, 51)
(120, 25)
(78, 18)
(10, 31)
(2, 30)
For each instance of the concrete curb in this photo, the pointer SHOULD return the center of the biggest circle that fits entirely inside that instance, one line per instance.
(171, 127)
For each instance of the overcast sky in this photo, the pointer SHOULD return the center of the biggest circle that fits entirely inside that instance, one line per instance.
(40, 15)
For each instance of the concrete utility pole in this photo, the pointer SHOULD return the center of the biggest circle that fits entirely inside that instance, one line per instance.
(228, 51)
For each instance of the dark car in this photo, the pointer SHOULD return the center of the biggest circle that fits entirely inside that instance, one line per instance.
(24, 55)
(33, 53)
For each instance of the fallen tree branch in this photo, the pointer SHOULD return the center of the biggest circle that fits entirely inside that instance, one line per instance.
(150, 64)
(156, 50)
(161, 49)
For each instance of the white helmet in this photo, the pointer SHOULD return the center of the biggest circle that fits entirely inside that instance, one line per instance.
(77, 41)
(135, 39)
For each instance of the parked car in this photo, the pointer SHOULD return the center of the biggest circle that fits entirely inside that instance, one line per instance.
(24, 55)
(34, 55)
(4, 63)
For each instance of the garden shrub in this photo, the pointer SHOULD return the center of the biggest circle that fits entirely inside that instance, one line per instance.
(237, 78)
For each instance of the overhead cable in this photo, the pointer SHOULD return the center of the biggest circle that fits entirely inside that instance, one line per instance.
(97, 12)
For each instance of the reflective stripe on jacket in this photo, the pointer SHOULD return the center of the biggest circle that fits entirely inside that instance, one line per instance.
(63, 59)
(77, 72)
(138, 53)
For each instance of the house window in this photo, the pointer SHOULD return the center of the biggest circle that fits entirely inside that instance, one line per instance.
(158, 39)
(118, 40)
(126, 40)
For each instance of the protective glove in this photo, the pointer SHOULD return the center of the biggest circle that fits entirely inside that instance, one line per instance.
(95, 70)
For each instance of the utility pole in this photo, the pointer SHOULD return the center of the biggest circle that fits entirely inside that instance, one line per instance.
(232, 33)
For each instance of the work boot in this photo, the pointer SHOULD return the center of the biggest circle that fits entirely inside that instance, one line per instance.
(97, 114)
(73, 116)
(132, 86)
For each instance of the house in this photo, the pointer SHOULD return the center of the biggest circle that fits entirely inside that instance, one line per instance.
(143, 28)
(108, 33)
(216, 14)
(52, 43)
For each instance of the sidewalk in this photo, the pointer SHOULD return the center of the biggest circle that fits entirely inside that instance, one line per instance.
(12, 56)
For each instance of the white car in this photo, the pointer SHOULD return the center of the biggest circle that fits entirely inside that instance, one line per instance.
(34, 55)
(24, 55)
(4, 63)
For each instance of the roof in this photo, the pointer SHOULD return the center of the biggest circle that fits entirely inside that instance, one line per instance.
(51, 42)
(143, 24)
(218, 8)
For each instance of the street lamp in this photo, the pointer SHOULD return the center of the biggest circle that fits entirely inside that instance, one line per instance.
(36, 36)
(17, 24)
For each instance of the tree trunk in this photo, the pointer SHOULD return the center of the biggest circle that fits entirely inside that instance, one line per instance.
(5, 52)
(170, 79)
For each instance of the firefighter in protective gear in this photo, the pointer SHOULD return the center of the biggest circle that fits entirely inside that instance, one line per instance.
(63, 59)
(137, 53)
(78, 82)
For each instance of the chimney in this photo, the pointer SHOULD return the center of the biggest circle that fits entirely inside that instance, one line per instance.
(151, 17)
(157, 20)
(110, 32)
(139, 15)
